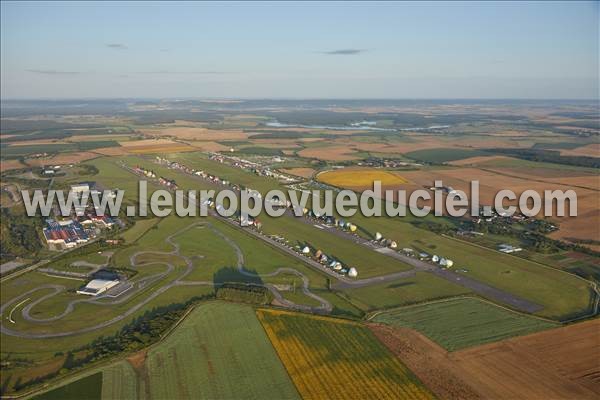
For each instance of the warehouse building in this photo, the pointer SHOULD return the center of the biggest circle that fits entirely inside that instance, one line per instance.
(97, 286)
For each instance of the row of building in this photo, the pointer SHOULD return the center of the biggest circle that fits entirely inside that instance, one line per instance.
(80, 227)
(65, 234)
(253, 167)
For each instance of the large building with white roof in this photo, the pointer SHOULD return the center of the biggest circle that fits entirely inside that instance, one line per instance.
(97, 286)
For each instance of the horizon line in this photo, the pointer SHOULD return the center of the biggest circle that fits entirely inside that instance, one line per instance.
(297, 98)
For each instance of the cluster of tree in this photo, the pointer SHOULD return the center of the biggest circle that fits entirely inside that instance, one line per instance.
(584, 241)
(543, 244)
(533, 238)
(244, 293)
(542, 226)
(87, 169)
(436, 227)
(19, 234)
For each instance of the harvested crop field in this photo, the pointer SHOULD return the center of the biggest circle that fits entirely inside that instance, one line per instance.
(591, 150)
(332, 358)
(333, 153)
(427, 360)
(209, 146)
(490, 182)
(112, 151)
(360, 178)
(61, 159)
(301, 172)
(560, 363)
(471, 161)
(194, 133)
(6, 165)
(155, 146)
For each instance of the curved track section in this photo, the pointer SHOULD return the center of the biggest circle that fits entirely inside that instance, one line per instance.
(142, 283)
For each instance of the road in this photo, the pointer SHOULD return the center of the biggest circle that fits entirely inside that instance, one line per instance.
(139, 285)
(472, 284)
(476, 286)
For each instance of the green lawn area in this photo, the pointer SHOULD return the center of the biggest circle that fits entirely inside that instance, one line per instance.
(88, 388)
(465, 322)
(422, 287)
(140, 227)
(521, 277)
(368, 262)
(262, 151)
(516, 275)
(14, 151)
(224, 171)
(219, 351)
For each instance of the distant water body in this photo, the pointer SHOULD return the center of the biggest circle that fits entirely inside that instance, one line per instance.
(363, 126)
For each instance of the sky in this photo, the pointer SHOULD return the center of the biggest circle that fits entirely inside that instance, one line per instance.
(300, 50)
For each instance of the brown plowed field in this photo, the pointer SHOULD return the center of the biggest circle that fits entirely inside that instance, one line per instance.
(302, 172)
(332, 153)
(192, 133)
(155, 146)
(6, 165)
(490, 182)
(561, 363)
(61, 159)
(591, 150)
(428, 361)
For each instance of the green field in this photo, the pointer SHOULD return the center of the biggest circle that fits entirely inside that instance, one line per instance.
(224, 171)
(88, 388)
(195, 361)
(261, 151)
(219, 351)
(443, 155)
(422, 287)
(119, 382)
(139, 229)
(368, 262)
(516, 275)
(15, 151)
(460, 323)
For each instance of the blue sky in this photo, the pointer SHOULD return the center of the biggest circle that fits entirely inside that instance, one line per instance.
(300, 50)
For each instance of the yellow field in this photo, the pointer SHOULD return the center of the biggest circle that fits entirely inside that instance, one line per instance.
(337, 359)
(360, 178)
(154, 146)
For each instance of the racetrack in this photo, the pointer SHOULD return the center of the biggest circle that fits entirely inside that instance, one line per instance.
(141, 284)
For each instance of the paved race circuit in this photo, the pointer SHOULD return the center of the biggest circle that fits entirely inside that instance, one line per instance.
(139, 285)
